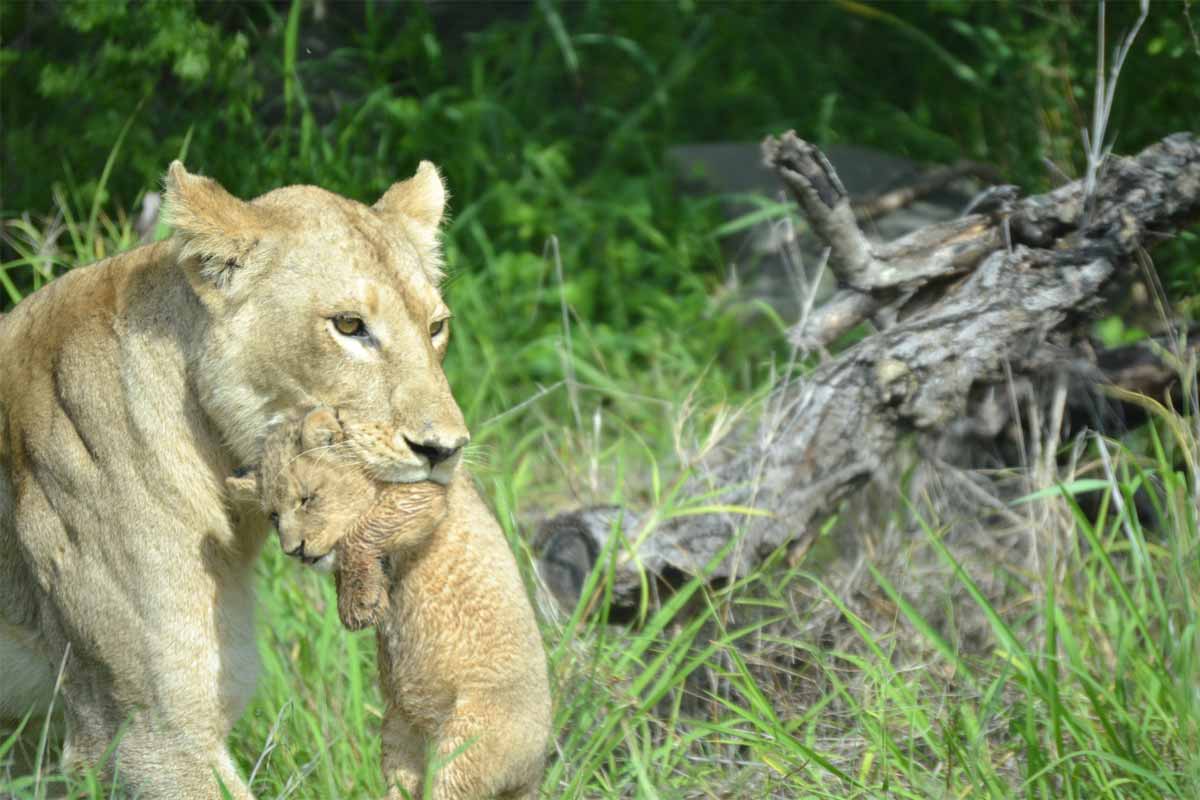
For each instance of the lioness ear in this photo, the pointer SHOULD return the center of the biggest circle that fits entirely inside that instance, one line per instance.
(418, 204)
(218, 232)
(421, 198)
(320, 429)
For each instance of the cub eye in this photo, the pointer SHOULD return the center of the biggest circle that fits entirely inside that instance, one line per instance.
(307, 500)
(437, 327)
(274, 520)
(350, 325)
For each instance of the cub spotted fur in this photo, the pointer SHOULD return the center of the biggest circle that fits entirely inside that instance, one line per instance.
(460, 658)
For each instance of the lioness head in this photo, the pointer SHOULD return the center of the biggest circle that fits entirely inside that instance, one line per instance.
(313, 299)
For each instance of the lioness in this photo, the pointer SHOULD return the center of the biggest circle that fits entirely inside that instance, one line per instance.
(460, 658)
(131, 388)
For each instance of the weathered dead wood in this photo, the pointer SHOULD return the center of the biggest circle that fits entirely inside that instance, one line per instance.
(887, 202)
(968, 300)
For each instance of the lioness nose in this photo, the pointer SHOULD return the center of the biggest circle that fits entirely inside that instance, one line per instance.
(434, 451)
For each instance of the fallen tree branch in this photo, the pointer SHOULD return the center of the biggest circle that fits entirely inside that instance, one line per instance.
(970, 299)
(888, 202)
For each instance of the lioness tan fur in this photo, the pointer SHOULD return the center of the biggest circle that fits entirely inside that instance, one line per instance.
(460, 658)
(131, 388)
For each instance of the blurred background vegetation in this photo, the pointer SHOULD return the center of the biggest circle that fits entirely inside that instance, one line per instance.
(589, 292)
(552, 119)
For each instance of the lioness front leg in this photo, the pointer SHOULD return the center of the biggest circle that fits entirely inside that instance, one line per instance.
(150, 759)
(153, 681)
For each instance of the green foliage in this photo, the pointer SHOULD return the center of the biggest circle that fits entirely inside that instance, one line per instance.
(553, 119)
(76, 72)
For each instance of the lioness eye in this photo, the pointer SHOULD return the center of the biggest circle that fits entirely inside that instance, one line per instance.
(348, 325)
(436, 327)
(274, 520)
(306, 500)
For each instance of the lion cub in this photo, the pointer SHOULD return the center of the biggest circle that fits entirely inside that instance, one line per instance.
(460, 658)
(328, 514)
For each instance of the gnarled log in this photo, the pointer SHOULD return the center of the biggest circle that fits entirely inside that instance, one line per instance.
(965, 300)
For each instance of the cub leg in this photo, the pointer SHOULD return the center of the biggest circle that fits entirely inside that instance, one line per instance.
(404, 519)
(494, 761)
(403, 758)
(461, 774)
(469, 761)
(362, 585)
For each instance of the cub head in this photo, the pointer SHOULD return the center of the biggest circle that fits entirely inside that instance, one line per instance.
(313, 299)
(311, 494)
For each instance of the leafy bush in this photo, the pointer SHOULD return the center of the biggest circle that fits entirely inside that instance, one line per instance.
(551, 105)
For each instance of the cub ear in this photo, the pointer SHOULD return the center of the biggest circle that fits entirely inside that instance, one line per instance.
(242, 485)
(418, 204)
(320, 428)
(217, 231)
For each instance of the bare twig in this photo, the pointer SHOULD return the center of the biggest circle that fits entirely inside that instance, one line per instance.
(1106, 91)
(896, 199)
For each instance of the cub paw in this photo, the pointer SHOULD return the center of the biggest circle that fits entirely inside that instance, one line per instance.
(363, 609)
